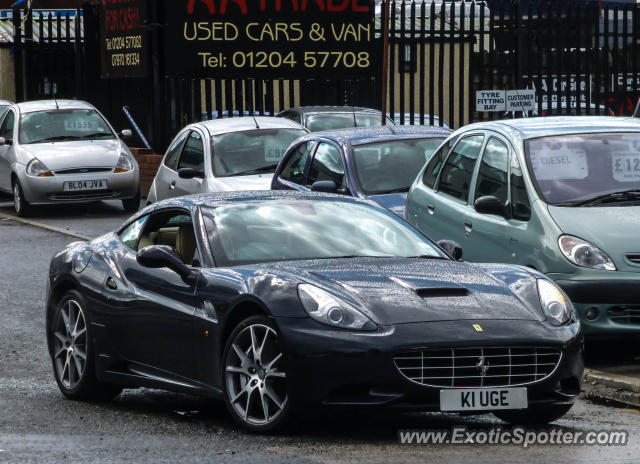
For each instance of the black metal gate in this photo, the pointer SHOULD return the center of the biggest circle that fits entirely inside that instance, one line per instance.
(573, 54)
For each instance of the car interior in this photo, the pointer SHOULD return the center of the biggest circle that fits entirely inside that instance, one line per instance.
(175, 231)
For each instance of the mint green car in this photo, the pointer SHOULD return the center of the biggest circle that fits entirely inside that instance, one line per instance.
(560, 195)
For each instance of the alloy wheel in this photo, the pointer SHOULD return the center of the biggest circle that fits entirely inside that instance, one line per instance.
(256, 387)
(17, 199)
(70, 344)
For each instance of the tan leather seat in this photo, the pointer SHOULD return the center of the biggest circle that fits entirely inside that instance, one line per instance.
(147, 240)
(186, 244)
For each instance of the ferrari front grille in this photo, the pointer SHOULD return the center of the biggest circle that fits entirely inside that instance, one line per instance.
(479, 367)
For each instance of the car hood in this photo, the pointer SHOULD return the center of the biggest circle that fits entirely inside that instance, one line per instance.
(405, 290)
(76, 154)
(613, 229)
(233, 184)
(395, 202)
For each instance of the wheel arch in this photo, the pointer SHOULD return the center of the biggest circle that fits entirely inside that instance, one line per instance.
(58, 290)
(242, 309)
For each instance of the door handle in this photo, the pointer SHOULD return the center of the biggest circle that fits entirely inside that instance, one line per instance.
(111, 284)
(172, 185)
(431, 208)
(468, 227)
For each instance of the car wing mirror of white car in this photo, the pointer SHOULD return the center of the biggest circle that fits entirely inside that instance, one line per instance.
(4, 141)
(126, 133)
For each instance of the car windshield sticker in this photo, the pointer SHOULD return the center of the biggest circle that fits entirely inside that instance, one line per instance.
(558, 161)
(626, 166)
(274, 153)
(82, 125)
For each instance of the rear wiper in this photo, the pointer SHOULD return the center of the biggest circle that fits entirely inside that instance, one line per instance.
(262, 170)
(625, 195)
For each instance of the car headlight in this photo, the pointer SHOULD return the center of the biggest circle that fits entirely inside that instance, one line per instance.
(36, 168)
(584, 254)
(124, 164)
(328, 309)
(555, 304)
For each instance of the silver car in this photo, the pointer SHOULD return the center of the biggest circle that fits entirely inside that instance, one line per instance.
(64, 151)
(224, 155)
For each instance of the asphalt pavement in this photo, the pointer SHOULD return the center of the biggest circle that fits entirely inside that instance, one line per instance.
(91, 220)
(38, 425)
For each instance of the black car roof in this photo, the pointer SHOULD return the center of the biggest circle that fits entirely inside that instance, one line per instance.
(363, 135)
(221, 198)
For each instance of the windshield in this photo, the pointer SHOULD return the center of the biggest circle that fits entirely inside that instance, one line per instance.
(3, 109)
(576, 168)
(390, 167)
(264, 231)
(330, 121)
(251, 152)
(61, 125)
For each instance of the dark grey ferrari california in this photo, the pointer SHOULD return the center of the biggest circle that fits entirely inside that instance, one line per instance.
(279, 300)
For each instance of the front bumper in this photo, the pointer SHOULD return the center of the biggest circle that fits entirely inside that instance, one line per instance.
(342, 368)
(50, 190)
(606, 307)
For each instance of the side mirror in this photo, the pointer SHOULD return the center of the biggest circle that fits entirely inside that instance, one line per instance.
(4, 141)
(163, 256)
(452, 248)
(190, 173)
(126, 133)
(326, 186)
(491, 205)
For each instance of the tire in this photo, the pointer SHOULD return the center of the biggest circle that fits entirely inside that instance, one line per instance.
(20, 204)
(250, 382)
(539, 415)
(72, 355)
(131, 205)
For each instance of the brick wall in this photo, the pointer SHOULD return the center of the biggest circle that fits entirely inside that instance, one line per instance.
(149, 163)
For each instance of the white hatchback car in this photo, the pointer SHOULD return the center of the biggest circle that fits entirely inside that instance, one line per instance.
(64, 151)
(224, 155)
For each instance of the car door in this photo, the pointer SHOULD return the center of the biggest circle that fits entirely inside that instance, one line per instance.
(420, 202)
(7, 155)
(155, 329)
(450, 206)
(192, 157)
(328, 165)
(524, 230)
(292, 174)
(487, 237)
(168, 171)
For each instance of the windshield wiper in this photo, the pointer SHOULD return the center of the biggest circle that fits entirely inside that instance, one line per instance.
(96, 134)
(613, 197)
(58, 138)
(428, 257)
(398, 190)
(262, 170)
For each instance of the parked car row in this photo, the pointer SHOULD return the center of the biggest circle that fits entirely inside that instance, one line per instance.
(325, 294)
